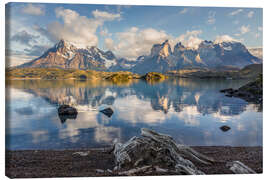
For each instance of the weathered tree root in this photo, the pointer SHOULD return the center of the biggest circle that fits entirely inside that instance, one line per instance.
(154, 149)
(189, 153)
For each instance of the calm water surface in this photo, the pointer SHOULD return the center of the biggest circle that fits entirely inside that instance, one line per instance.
(191, 111)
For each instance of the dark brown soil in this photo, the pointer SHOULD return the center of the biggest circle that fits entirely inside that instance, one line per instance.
(64, 163)
(250, 156)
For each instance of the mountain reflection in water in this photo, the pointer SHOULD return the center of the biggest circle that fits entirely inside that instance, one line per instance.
(190, 110)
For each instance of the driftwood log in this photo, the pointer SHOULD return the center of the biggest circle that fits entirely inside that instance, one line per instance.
(156, 152)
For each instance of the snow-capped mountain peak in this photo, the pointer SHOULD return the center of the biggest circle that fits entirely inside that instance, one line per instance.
(65, 44)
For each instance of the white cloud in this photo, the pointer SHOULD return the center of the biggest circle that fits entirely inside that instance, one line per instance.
(134, 42)
(77, 29)
(80, 30)
(109, 44)
(69, 25)
(24, 38)
(193, 42)
(260, 28)
(184, 11)
(211, 17)
(36, 10)
(250, 14)
(105, 15)
(193, 33)
(244, 29)
(15, 60)
(104, 32)
(19, 38)
(233, 13)
(190, 39)
(224, 38)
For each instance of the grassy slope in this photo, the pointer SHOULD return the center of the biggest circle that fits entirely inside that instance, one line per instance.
(121, 77)
(55, 73)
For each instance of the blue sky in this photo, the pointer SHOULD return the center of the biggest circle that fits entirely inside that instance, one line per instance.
(129, 31)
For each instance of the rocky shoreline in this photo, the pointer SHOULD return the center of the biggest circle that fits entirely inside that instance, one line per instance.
(251, 92)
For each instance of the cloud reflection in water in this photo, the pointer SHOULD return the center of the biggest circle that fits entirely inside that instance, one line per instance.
(187, 109)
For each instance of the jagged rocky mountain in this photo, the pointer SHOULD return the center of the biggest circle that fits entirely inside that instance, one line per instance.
(161, 58)
(208, 54)
(67, 56)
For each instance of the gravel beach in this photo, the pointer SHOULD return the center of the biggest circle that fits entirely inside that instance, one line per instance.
(99, 162)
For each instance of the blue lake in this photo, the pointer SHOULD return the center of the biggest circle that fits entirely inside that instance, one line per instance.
(191, 111)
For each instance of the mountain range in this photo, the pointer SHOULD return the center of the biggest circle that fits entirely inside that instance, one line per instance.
(161, 58)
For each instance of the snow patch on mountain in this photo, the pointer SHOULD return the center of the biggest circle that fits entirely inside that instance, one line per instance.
(227, 48)
(109, 63)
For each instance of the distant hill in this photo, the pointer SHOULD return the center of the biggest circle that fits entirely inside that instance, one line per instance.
(252, 70)
(225, 55)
